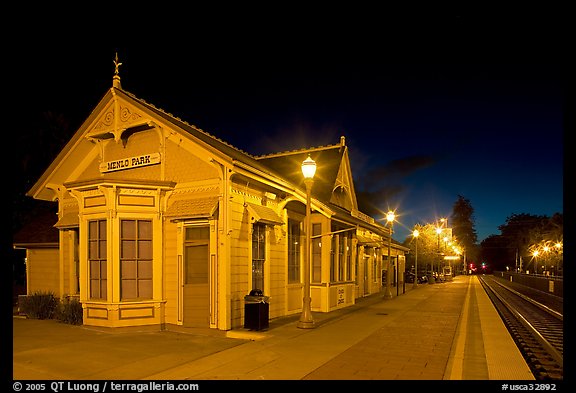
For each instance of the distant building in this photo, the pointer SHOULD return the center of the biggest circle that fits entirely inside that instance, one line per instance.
(40, 240)
(160, 222)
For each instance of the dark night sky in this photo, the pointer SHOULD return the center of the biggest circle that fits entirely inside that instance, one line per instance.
(457, 109)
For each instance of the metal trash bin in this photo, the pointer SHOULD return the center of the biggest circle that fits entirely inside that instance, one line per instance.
(256, 310)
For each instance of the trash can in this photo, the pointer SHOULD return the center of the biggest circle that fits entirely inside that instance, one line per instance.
(256, 310)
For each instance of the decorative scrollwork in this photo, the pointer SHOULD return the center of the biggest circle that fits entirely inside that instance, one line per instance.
(127, 115)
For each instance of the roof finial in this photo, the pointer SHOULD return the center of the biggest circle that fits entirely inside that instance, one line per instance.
(116, 79)
(342, 141)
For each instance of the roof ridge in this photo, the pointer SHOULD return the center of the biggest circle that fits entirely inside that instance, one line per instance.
(188, 124)
(296, 151)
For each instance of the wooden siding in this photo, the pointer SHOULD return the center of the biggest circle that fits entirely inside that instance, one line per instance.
(42, 270)
(181, 165)
(170, 272)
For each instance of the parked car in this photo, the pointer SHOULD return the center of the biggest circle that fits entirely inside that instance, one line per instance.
(409, 278)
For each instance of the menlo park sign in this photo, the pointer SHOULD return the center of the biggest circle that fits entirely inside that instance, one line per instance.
(130, 163)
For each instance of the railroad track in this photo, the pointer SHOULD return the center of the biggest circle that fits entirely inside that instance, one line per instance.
(536, 327)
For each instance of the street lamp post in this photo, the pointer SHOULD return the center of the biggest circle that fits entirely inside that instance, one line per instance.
(444, 224)
(558, 247)
(390, 218)
(438, 232)
(306, 321)
(416, 233)
(546, 251)
(444, 252)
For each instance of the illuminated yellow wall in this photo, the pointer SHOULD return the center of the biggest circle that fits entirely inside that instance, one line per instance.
(42, 270)
(183, 169)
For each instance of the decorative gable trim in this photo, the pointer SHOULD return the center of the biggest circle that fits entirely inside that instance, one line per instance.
(343, 194)
(126, 116)
(118, 118)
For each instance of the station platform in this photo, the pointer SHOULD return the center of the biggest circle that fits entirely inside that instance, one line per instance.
(443, 331)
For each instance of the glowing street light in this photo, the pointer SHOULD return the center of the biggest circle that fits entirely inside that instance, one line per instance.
(390, 216)
(546, 250)
(535, 255)
(432, 279)
(415, 234)
(306, 321)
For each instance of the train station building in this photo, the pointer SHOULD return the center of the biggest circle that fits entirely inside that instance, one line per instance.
(160, 222)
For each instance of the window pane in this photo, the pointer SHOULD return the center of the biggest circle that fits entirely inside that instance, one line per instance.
(92, 230)
(348, 258)
(258, 255)
(97, 258)
(293, 251)
(258, 275)
(145, 289)
(144, 229)
(128, 229)
(93, 250)
(102, 233)
(103, 289)
(197, 233)
(102, 247)
(144, 270)
(254, 249)
(316, 229)
(94, 269)
(145, 249)
(261, 252)
(103, 271)
(128, 249)
(129, 289)
(95, 289)
(136, 259)
(128, 269)
(316, 253)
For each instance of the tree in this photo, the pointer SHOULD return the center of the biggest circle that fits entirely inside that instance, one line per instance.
(431, 248)
(495, 251)
(45, 137)
(519, 232)
(462, 221)
(41, 141)
(520, 236)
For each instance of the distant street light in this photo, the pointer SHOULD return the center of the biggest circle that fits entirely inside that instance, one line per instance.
(438, 232)
(390, 216)
(306, 321)
(546, 250)
(558, 248)
(535, 255)
(415, 234)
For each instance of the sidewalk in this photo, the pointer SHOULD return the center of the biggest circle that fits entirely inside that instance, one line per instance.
(409, 337)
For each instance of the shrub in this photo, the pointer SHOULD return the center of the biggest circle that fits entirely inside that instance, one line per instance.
(70, 311)
(40, 305)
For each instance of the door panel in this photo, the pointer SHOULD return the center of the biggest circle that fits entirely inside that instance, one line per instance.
(196, 293)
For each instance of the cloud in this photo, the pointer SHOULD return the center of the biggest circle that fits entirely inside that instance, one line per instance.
(386, 176)
(382, 187)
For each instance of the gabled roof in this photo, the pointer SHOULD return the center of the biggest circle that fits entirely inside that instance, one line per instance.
(209, 141)
(328, 159)
(39, 233)
(281, 168)
(203, 136)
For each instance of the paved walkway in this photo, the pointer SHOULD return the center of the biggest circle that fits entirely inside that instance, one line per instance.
(434, 332)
